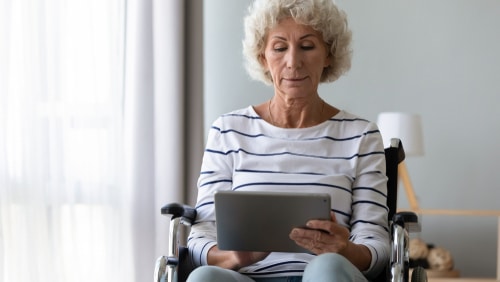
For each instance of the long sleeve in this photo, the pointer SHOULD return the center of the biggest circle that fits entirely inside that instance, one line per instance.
(369, 224)
(216, 174)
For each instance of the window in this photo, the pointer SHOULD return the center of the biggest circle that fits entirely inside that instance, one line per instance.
(61, 215)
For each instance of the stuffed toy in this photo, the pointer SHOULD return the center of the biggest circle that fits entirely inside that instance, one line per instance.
(440, 259)
(429, 257)
(418, 249)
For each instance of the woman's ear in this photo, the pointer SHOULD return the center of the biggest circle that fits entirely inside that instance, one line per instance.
(329, 55)
(263, 61)
(327, 61)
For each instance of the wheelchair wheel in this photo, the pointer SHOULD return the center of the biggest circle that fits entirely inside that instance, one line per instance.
(419, 275)
(160, 269)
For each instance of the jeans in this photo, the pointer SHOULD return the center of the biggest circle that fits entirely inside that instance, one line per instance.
(323, 268)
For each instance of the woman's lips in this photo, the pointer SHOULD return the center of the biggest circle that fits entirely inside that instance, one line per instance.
(295, 79)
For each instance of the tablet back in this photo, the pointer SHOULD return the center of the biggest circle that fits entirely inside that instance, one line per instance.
(262, 221)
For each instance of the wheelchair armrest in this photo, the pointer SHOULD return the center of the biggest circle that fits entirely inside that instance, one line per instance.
(167, 266)
(407, 220)
(187, 213)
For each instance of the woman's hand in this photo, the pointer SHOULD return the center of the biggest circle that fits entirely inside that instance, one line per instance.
(234, 259)
(322, 236)
(243, 259)
(327, 236)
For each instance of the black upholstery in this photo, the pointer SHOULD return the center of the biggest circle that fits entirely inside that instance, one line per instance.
(394, 155)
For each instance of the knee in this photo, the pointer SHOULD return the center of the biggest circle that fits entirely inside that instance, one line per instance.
(205, 273)
(328, 266)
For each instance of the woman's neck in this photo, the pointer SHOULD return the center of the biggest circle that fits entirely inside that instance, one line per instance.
(295, 113)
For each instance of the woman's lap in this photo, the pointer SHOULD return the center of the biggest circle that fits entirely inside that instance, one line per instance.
(326, 267)
(332, 267)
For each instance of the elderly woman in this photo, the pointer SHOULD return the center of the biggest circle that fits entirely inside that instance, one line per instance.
(297, 138)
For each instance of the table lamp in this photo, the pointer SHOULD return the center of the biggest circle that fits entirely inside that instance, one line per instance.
(408, 128)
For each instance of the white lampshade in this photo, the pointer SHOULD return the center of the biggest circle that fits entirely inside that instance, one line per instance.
(407, 127)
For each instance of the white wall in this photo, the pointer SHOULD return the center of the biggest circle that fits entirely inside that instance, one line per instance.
(440, 59)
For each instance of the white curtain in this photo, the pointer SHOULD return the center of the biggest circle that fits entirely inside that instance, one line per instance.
(154, 118)
(91, 134)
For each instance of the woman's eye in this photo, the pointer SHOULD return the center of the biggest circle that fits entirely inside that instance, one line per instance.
(280, 49)
(307, 47)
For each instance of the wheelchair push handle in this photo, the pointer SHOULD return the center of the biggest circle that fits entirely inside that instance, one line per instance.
(187, 213)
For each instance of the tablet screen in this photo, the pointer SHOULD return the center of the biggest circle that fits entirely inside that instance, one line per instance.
(262, 221)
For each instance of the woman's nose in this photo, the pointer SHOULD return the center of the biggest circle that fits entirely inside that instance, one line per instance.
(293, 59)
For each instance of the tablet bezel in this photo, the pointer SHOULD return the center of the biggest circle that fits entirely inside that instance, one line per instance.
(262, 221)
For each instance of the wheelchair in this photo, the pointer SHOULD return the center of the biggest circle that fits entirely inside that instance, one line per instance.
(176, 265)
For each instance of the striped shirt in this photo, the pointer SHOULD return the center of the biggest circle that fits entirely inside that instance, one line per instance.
(343, 156)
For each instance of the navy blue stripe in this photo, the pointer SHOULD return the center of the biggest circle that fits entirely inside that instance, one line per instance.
(291, 184)
(376, 255)
(371, 132)
(290, 153)
(369, 189)
(371, 153)
(216, 181)
(331, 119)
(291, 271)
(281, 263)
(199, 237)
(348, 119)
(342, 213)
(371, 203)
(241, 133)
(304, 139)
(278, 172)
(342, 139)
(240, 115)
(369, 222)
(204, 204)
(203, 250)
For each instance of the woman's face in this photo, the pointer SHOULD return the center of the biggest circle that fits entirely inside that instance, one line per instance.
(295, 56)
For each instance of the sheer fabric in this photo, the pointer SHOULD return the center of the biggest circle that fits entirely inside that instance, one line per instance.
(61, 162)
(92, 136)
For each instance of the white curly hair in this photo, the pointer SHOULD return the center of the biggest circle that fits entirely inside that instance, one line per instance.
(322, 15)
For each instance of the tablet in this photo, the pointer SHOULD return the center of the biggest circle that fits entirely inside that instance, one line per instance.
(262, 221)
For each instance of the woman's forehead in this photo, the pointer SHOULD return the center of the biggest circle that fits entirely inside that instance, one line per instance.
(288, 28)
